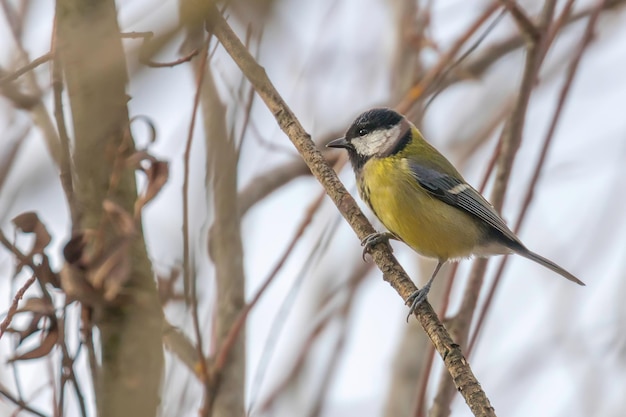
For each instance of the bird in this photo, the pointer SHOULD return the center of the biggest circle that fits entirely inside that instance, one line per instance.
(421, 198)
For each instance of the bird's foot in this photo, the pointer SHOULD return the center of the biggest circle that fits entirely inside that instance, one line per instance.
(374, 239)
(416, 299)
(419, 296)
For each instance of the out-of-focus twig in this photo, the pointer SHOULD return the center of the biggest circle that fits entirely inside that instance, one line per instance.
(4, 325)
(523, 21)
(11, 151)
(23, 70)
(68, 374)
(430, 78)
(223, 350)
(343, 313)
(320, 245)
(21, 404)
(530, 191)
(147, 49)
(189, 282)
(225, 250)
(267, 182)
(473, 68)
(65, 161)
(509, 144)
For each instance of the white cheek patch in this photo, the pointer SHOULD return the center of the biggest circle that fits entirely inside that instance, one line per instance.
(376, 142)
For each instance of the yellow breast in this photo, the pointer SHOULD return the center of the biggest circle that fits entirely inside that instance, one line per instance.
(428, 225)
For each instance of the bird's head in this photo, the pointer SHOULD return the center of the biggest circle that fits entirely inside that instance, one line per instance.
(376, 133)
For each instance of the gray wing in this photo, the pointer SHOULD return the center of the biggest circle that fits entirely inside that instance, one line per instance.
(461, 195)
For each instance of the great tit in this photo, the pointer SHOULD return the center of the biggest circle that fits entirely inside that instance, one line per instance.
(422, 199)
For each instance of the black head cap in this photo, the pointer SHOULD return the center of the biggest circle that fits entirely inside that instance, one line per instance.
(371, 120)
(375, 133)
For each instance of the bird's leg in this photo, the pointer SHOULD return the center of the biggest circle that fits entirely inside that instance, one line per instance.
(374, 239)
(419, 296)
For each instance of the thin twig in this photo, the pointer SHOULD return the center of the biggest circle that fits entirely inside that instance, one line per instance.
(23, 70)
(430, 78)
(332, 366)
(222, 352)
(321, 244)
(190, 282)
(145, 46)
(67, 367)
(266, 183)
(20, 403)
(441, 77)
(13, 308)
(300, 361)
(65, 164)
(525, 24)
(530, 191)
(476, 67)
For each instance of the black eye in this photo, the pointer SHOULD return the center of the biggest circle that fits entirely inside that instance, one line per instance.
(363, 132)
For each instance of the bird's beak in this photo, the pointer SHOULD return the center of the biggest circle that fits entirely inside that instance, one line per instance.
(338, 143)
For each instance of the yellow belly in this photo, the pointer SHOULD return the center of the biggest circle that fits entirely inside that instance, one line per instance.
(428, 225)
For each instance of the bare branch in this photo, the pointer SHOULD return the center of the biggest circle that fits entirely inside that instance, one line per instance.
(392, 271)
(527, 27)
(13, 309)
(23, 70)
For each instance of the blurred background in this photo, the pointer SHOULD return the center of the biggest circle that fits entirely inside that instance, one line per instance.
(328, 336)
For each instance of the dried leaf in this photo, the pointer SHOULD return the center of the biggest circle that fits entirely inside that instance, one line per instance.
(134, 161)
(158, 174)
(113, 272)
(46, 275)
(74, 250)
(29, 223)
(39, 305)
(77, 288)
(123, 222)
(48, 342)
(166, 286)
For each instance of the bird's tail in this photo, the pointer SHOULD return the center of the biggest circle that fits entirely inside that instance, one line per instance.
(548, 264)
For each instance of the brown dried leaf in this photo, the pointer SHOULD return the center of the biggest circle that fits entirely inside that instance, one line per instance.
(74, 250)
(158, 174)
(46, 275)
(166, 286)
(48, 342)
(123, 222)
(113, 272)
(38, 305)
(77, 288)
(134, 161)
(29, 223)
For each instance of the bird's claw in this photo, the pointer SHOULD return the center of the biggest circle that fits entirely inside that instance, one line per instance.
(374, 239)
(415, 300)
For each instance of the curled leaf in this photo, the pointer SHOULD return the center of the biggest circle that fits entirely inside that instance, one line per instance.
(157, 174)
(29, 223)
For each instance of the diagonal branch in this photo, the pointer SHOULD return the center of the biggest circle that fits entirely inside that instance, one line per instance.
(393, 273)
